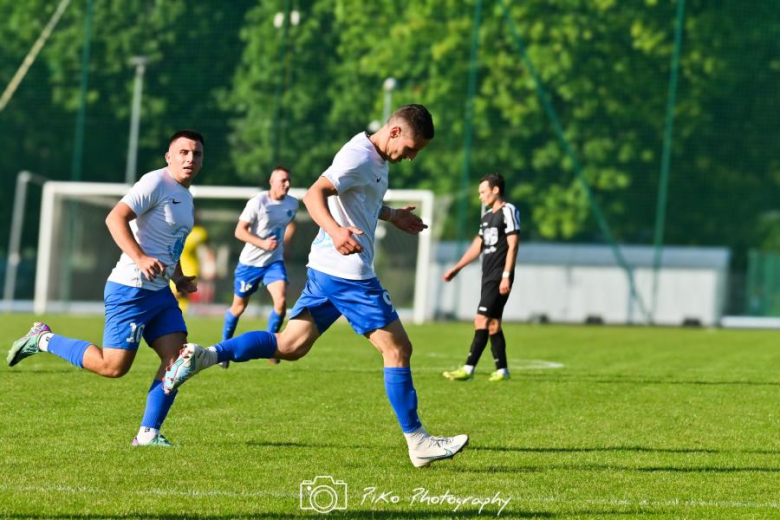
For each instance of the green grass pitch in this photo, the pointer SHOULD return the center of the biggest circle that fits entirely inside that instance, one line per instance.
(637, 421)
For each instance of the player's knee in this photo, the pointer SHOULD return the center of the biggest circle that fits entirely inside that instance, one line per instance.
(480, 322)
(494, 326)
(114, 371)
(238, 309)
(295, 354)
(407, 350)
(401, 354)
(292, 351)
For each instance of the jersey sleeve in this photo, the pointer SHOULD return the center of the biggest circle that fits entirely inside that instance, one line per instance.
(249, 214)
(145, 194)
(346, 172)
(511, 220)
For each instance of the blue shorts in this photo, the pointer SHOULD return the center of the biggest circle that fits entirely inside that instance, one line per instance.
(364, 303)
(248, 278)
(132, 314)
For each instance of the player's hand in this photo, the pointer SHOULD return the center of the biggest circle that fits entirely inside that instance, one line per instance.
(185, 285)
(344, 242)
(407, 221)
(270, 243)
(150, 267)
(449, 275)
(504, 287)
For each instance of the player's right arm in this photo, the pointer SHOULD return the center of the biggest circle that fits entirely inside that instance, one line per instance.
(245, 235)
(316, 202)
(471, 254)
(118, 223)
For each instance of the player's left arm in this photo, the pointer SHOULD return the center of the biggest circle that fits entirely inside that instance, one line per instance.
(403, 219)
(512, 242)
(184, 284)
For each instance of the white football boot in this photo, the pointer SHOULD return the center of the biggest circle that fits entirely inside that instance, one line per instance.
(428, 448)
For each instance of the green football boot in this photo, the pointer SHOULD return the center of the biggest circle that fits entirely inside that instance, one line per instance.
(27, 345)
(497, 376)
(458, 375)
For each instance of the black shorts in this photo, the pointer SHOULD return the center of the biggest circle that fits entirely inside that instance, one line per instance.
(491, 303)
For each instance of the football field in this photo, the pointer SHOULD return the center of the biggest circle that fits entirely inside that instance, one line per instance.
(595, 422)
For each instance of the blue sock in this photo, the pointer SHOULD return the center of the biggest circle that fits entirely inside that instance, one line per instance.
(403, 398)
(251, 345)
(230, 325)
(275, 321)
(157, 405)
(71, 350)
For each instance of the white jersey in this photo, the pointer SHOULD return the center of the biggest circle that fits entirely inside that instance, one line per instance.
(267, 217)
(165, 216)
(360, 176)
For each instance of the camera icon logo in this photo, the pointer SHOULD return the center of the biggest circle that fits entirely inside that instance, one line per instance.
(323, 494)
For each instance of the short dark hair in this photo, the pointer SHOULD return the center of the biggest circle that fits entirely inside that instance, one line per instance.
(494, 180)
(281, 168)
(419, 119)
(188, 134)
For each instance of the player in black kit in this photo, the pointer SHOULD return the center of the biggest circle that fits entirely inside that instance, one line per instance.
(497, 241)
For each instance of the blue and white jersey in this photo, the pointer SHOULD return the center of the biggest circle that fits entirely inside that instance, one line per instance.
(360, 176)
(165, 216)
(267, 217)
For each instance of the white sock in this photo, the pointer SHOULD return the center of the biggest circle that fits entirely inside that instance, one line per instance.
(146, 435)
(43, 343)
(503, 371)
(210, 357)
(469, 369)
(414, 438)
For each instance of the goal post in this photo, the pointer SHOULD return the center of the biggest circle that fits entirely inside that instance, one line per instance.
(76, 252)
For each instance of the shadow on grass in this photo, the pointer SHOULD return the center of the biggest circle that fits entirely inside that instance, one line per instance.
(616, 449)
(66, 369)
(283, 444)
(590, 449)
(611, 467)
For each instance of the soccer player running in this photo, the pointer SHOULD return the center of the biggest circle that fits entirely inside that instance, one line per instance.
(150, 225)
(266, 225)
(497, 241)
(347, 202)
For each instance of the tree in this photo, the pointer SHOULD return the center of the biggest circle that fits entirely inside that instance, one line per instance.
(191, 50)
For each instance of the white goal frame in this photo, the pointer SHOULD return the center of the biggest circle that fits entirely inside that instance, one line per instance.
(53, 189)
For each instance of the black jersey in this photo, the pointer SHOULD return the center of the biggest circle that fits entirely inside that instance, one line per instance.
(493, 229)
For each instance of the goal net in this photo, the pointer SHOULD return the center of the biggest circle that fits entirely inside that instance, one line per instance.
(76, 252)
